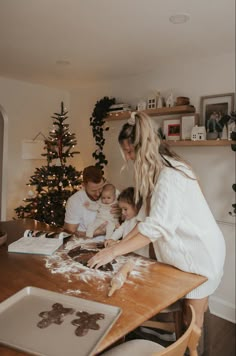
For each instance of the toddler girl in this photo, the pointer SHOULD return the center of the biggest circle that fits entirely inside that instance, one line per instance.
(129, 210)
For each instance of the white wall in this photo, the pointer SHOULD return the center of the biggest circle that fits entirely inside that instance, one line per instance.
(28, 109)
(215, 166)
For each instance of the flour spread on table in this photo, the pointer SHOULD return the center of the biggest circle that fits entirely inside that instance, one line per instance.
(61, 263)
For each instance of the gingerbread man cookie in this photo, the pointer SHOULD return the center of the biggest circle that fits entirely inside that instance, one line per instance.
(86, 321)
(54, 316)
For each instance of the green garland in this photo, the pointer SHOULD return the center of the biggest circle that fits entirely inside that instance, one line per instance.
(233, 147)
(97, 122)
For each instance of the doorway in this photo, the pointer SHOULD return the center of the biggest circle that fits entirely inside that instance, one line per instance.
(3, 162)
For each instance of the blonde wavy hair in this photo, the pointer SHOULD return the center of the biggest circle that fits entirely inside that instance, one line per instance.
(149, 154)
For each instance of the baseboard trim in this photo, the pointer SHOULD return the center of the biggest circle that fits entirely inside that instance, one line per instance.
(222, 309)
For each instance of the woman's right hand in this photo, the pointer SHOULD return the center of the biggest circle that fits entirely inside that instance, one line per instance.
(101, 258)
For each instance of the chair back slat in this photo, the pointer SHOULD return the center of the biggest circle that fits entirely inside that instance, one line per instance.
(189, 339)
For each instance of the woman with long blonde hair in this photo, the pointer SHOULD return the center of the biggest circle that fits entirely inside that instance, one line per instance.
(177, 218)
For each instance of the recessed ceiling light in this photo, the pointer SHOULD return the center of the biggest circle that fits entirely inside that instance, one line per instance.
(63, 62)
(179, 18)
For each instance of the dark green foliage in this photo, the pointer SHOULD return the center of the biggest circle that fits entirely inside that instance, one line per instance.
(60, 142)
(97, 122)
(55, 183)
(233, 205)
(233, 146)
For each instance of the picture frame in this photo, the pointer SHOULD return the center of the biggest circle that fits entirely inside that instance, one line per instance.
(217, 105)
(188, 121)
(172, 129)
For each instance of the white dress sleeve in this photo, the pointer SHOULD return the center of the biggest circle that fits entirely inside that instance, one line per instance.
(166, 205)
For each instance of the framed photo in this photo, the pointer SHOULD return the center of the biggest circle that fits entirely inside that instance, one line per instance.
(188, 121)
(171, 129)
(215, 106)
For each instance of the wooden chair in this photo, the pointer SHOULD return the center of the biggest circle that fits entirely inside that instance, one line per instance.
(139, 347)
(173, 326)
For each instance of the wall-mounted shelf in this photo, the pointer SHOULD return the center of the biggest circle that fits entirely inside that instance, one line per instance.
(182, 143)
(175, 110)
(183, 109)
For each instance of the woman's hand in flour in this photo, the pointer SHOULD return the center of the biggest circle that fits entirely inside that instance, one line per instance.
(101, 258)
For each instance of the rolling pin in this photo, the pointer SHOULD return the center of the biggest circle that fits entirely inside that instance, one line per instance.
(120, 277)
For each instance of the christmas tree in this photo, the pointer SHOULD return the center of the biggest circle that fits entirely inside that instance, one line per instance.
(50, 186)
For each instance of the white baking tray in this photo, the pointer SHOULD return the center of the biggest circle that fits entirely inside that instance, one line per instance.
(19, 316)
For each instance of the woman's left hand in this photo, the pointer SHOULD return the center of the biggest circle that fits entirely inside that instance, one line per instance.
(101, 258)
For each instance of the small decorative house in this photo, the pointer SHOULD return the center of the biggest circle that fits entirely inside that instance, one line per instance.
(152, 102)
(198, 133)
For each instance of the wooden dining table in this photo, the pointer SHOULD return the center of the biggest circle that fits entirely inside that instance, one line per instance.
(157, 287)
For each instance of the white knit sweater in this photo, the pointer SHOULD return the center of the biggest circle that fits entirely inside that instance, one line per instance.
(183, 229)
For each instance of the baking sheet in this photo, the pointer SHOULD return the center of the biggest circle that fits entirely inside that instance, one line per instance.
(19, 316)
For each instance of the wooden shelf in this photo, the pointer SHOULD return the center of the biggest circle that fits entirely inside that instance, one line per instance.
(175, 110)
(208, 143)
(183, 109)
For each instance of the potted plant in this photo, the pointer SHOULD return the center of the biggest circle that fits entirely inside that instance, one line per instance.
(232, 129)
(233, 146)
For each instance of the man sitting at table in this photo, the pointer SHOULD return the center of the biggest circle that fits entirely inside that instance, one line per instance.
(78, 217)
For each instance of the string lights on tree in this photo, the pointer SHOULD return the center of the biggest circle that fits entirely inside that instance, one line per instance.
(50, 186)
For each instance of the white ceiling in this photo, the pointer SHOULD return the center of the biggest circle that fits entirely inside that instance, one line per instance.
(106, 39)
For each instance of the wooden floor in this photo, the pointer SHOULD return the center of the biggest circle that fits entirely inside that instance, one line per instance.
(219, 337)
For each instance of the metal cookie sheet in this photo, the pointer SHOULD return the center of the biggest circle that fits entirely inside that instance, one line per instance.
(19, 316)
